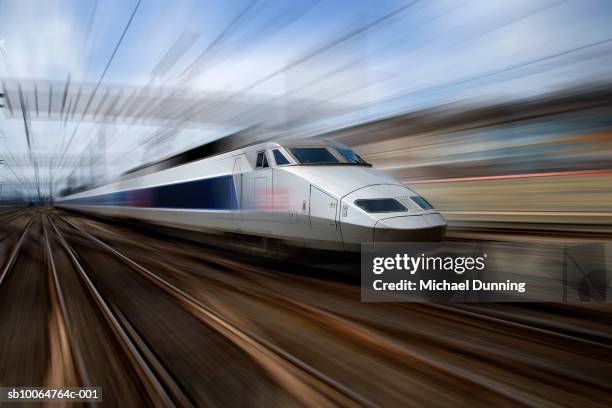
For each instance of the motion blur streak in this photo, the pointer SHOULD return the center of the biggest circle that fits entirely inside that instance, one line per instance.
(479, 89)
(269, 332)
(199, 277)
(540, 161)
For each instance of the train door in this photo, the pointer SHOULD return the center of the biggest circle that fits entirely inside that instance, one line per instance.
(238, 173)
(262, 183)
(238, 178)
(323, 210)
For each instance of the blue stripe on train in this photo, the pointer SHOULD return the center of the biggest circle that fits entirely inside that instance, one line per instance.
(216, 193)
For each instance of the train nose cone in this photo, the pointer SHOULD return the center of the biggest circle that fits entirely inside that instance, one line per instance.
(415, 228)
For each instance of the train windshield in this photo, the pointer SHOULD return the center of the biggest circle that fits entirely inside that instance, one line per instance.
(351, 156)
(324, 155)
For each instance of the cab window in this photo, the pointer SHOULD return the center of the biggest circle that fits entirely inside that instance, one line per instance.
(313, 155)
(262, 161)
(351, 156)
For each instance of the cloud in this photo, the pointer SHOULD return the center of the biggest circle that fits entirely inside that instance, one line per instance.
(40, 40)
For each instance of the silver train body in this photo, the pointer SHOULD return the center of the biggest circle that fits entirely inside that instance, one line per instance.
(310, 194)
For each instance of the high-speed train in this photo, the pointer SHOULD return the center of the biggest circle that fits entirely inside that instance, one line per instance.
(310, 193)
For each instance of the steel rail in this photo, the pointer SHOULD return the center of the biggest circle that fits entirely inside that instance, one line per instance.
(14, 253)
(371, 336)
(8, 220)
(224, 326)
(140, 364)
(504, 320)
(397, 348)
(58, 298)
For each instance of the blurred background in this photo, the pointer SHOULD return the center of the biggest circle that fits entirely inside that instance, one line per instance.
(498, 112)
(495, 111)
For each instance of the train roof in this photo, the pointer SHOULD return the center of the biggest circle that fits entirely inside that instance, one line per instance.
(307, 142)
(223, 145)
(239, 140)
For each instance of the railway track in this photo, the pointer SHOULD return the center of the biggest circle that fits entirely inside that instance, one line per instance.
(14, 253)
(395, 344)
(8, 227)
(157, 386)
(410, 347)
(165, 324)
(539, 325)
(548, 319)
(198, 381)
(306, 384)
(24, 347)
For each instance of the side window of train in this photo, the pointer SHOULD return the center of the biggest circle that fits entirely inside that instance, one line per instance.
(262, 161)
(279, 157)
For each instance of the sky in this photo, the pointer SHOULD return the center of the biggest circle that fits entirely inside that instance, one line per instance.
(378, 58)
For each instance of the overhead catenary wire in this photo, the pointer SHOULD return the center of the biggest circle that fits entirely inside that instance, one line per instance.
(102, 76)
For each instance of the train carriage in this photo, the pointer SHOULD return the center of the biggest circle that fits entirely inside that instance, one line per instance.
(308, 193)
